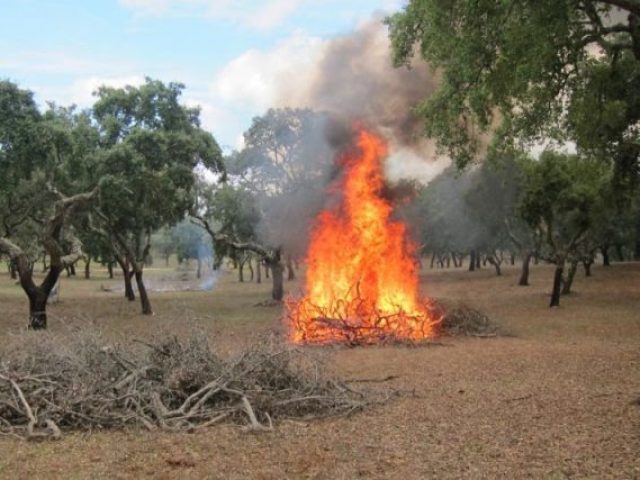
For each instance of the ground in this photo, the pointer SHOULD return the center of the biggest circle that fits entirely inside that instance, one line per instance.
(556, 398)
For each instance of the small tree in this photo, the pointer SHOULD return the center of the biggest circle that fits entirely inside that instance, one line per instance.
(560, 198)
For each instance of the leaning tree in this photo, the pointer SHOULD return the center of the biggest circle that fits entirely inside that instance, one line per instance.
(35, 153)
(561, 198)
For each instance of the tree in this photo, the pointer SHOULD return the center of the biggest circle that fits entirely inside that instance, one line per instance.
(190, 243)
(562, 194)
(150, 146)
(494, 198)
(35, 152)
(230, 215)
(528, 70)
(286, 164)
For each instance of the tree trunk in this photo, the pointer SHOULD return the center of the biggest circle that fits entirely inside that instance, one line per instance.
(513, 259)
(199, 269)
(13, 271)
(620, 253)
(38, 295)
(251, 273)
(110, 269)
(127, 275)
(568, 282)
(472, 260)
(267, 269)
(557, 284)
(605, 255)
(524, 275)
(587, 267)
(493, 260)
(144, 297)
(277, 272)
(240, 265)
(291, 274)
(478, 257)
(258, 271)
(87, 267)
(433, 260)
(166, 260)
(45, 267)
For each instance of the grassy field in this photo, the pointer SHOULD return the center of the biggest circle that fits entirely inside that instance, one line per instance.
(555, 399)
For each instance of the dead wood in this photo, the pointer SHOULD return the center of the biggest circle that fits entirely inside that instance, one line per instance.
(50, 385)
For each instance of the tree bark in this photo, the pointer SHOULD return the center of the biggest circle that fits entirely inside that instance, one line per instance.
(13, 270)
(251, 272)
(605, 255)
(472, 260)
(144, 297)
(240, 265)
(127, 275)
(524, 275)
(199, 269)
(37, 295)
(433, 260)
(110, 269)
(277, 274)
(557, 284)
(493, 260)
(258, 271)
(587, 267)
(87, 267)
(568, 282)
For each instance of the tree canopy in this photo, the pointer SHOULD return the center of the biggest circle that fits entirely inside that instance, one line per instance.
(528, 71)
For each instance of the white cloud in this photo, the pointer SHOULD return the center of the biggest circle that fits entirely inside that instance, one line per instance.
(263, 15)
(272, 14)
(257, 78)
(81, 91)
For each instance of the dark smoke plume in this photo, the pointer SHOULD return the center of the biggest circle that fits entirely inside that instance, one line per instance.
(357, 80)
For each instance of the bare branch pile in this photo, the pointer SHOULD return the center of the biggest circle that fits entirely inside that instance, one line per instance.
(49, 385)
(469, 322)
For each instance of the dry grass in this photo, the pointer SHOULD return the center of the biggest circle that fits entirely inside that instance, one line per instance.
(554, 401)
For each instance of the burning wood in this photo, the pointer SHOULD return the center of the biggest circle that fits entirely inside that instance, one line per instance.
(362, 284)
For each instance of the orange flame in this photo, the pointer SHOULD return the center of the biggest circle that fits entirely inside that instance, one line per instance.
(361, 280)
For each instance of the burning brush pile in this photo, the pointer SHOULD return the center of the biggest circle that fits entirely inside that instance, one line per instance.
(50, 384)
(362, 282)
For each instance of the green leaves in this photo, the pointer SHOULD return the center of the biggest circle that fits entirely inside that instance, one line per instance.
(523, 71)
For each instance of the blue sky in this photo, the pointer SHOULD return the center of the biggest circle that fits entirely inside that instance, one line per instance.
(233, 56)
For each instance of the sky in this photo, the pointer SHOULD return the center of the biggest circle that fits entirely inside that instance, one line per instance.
(232, 55)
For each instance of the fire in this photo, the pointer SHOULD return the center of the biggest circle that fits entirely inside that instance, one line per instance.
(361, 280)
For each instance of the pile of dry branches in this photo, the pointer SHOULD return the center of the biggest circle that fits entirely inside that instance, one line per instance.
(357, 322)
(50, 384)
(467, 321)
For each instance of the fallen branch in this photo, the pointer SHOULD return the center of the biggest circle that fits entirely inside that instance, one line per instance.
(50, 385)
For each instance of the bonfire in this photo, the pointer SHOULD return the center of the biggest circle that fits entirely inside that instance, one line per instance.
(361, 280)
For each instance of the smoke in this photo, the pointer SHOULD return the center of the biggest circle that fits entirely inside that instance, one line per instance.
(354, 80)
